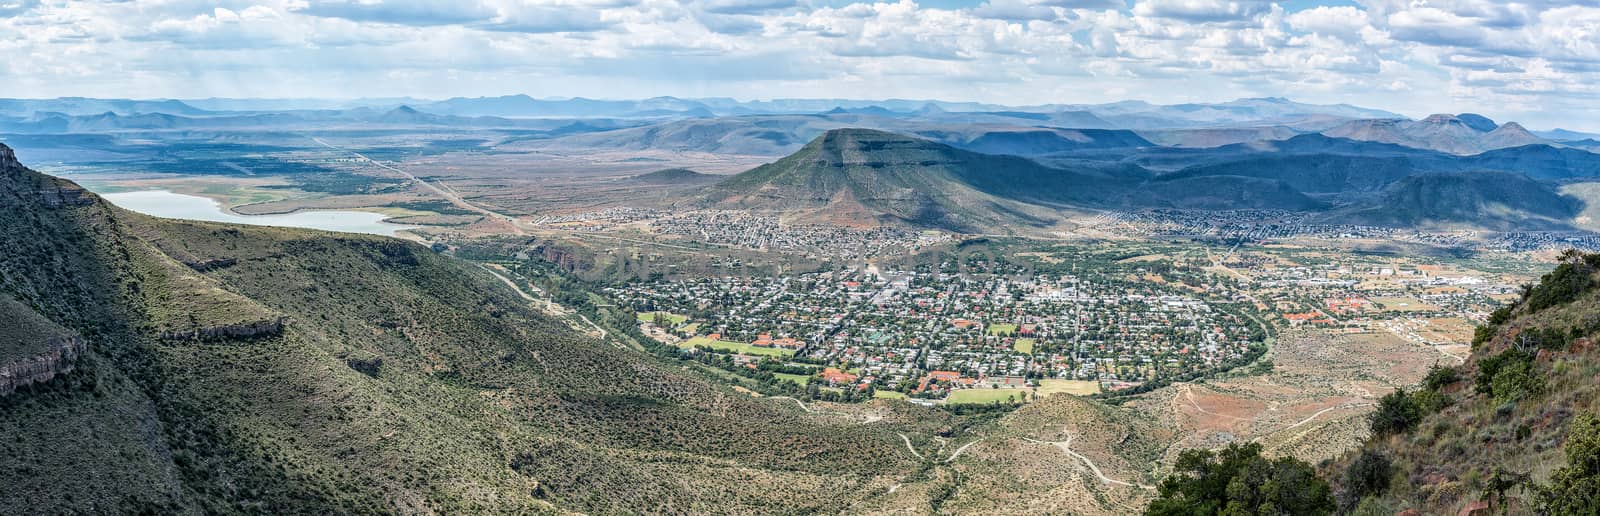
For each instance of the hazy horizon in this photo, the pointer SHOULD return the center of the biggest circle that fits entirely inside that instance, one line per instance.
(1532, 62)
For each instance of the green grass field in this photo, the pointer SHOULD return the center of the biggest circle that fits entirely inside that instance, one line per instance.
(1073, 387)
(1002, 329)
(892, 395)
(1023, 345)
(796, 378)
(650, 317)
(736, 347)
(983, 395)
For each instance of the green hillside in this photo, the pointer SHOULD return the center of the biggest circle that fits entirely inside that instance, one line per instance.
(1494, 200)
(1513, 428)
(252, 369)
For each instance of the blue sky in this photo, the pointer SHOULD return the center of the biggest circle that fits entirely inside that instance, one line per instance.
(1535, 61)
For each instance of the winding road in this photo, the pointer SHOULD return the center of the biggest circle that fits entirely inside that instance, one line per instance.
(958, 452)
(447, 194)
(913, 449)
(1066, 446)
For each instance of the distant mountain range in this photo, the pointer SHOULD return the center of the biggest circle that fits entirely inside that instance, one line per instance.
(963, 166)
(1455, 134)
(881, 177)
(1123, 115)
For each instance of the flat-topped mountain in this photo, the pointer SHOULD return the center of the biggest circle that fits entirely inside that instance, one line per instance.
(875, 177)
(1456, 134)
(861, 176)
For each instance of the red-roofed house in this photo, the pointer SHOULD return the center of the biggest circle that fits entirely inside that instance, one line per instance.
(834, 376)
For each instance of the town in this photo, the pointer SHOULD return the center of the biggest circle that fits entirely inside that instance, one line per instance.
(933, 332)
(1065, 317)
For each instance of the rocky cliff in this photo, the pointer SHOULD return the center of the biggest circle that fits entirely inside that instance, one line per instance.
(57, 359)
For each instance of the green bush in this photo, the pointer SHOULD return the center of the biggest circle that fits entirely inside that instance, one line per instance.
(1509, 376)
(1238, 480)
(1575, 488)
(1483, 333)
(1438, 377)
(1518, 366)
(1368, 474)
(1397, 412)
(1560, 286)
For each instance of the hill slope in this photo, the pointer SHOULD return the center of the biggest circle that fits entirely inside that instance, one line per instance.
(1495, 200)
(203, 367)
(1512, 430)
(872, 176)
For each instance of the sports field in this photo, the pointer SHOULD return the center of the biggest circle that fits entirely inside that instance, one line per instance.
(1073, 387)
(800, 379)
(984, 395)
(650, 317)
(736, 347)
(1002, 329)
(1023, 345)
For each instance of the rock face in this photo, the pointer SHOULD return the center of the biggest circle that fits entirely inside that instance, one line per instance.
(263, 328)
(51, 192)
(58, 359)
(8, 159)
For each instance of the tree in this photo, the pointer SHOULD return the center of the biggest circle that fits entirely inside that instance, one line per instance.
(1238, 480)
(1575, 488)
(1397, 412)
(1368, 474)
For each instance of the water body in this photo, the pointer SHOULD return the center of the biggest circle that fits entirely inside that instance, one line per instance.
(163, 203)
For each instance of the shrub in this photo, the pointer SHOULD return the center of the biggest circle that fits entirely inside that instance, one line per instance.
(1369, 474)
(1490, 368)
(1575, 488)
(1560, 286)
(1438, 377)
(1238, 480)
(1429, 401)
(1397, 412)
(1482, 334)
(1516, 381)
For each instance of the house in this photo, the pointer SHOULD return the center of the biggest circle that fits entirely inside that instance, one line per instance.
(834, 376)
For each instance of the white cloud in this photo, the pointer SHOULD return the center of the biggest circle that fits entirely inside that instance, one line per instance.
(1406, 55)
(1341, 21)
(1200, 11)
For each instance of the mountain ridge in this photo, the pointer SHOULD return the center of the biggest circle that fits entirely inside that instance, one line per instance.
(390, 379)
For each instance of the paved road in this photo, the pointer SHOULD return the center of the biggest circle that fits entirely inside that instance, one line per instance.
(447, 194)
(531, 299)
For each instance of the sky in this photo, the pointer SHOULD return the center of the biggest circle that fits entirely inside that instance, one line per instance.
(1533, 61)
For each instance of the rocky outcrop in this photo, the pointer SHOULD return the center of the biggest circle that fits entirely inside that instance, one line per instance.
(8, 159)
(562, 257)
(369, 366)
(58, 359)
(258, 329)
(50, 192)
(210, 265)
